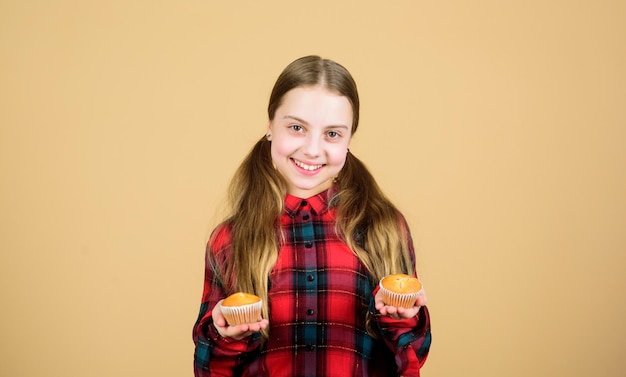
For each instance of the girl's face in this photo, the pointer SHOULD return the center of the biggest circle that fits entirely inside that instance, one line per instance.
(310, 135)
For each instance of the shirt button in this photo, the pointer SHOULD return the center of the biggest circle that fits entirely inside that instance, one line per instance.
(310, 277)
(310, 312)
(309, 347)
(305, 217)
(303, 203)
(308, 244)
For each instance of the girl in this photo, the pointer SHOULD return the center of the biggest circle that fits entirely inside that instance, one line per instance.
(311, 234)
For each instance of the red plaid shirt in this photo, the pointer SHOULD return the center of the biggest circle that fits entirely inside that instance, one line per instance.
(318, 300)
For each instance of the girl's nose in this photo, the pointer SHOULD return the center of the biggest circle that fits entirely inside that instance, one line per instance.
(312, 146)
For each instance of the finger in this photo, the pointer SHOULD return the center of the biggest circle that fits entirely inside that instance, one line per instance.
(257, 326)
(421, 299)
(218, 317)
(221, 322)
(379, 305)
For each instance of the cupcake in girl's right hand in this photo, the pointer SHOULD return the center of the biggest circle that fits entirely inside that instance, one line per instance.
(240, 308)
(400, 290)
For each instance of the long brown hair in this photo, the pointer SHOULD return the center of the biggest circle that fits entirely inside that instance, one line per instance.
(368, 222)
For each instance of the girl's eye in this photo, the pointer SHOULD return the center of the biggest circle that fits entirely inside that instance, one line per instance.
(296, 127)
(333, 134)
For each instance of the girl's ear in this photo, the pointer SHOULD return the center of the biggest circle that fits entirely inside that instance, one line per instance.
(268, 134)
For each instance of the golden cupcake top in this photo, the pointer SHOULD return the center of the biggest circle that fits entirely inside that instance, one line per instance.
(240, 298)
(401, 283)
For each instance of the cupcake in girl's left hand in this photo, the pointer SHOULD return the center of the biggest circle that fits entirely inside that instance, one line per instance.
(240, 308)
(400, 290)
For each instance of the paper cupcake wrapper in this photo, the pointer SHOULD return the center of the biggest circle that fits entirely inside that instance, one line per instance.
(405, 300)
(237, 315)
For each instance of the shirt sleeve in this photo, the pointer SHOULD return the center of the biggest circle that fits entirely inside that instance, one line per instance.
(409, 339)
(215, 355)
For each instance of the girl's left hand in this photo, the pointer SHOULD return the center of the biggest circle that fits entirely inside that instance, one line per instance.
(399, 312)
(236, 332)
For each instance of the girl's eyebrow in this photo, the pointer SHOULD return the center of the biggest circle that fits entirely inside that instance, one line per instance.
(292, 117)
(296, 119)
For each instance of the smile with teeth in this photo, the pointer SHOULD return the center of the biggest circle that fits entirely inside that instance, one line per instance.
(304, 166)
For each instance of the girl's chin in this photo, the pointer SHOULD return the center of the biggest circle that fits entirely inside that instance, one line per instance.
(309, 190)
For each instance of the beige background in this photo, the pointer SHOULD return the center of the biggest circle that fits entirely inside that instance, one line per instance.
(497, 126)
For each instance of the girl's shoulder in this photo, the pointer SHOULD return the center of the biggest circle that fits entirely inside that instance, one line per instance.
(220, 238)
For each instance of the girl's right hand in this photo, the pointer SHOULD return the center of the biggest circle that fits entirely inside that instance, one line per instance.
(235, 332)
(399, 312)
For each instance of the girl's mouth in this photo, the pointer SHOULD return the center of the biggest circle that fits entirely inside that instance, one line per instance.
(307, 167)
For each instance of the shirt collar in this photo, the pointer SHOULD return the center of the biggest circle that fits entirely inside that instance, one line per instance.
(318, 203)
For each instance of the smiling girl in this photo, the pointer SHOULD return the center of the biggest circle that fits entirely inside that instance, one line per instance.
(310, 233)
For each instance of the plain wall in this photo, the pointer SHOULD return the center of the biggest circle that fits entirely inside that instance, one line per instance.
(498, 127)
